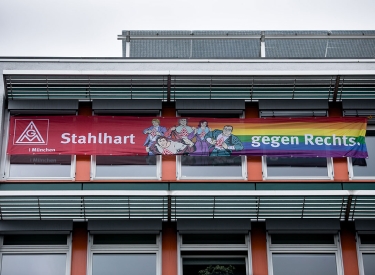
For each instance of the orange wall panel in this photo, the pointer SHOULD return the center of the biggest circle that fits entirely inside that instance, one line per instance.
(254, 168)
(79, 249)
(259, 249)
(168, 162)
(254, 163)
(168, 168)
(340, 169)
(169, 249)
(83, 163)
(349, 249)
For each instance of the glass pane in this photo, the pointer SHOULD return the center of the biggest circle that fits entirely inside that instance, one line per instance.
(125, 239)
(302, 239)
(213, 239)
(365, 167)
(41, 239)
(296, 167)
(367, 239)
(43, 166)
(213, 266)
(369, 263)
(123, 264)
(216, 167)
(33, 264)
(126, 166)
(306, 264)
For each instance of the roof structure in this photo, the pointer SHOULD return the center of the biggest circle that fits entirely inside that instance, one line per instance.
(248, 44)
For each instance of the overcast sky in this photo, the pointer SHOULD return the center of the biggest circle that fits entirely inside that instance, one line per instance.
(89, 28)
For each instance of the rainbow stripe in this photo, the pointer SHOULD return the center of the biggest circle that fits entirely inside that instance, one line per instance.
(303, 137)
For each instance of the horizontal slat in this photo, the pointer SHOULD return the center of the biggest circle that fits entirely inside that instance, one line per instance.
(187, 87)
(255, 205)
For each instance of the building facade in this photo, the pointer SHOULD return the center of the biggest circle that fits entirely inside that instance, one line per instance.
(183, 215)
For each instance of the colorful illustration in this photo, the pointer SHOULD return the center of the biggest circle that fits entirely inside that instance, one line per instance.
(181, 131)
(223, 142)
(201, 144)
(153, 133)
(166, 146)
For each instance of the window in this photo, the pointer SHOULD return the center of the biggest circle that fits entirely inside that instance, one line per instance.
(310, 254)
(37, 166)
(130, 167)
(35, 254)
(295, 167)
(363, 168)
(199, 165)
(138, 254)
(214, 253)
(40, 166)
(126, 167)
(366, 253)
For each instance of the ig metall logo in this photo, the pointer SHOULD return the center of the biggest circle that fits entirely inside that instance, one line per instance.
(31, 131)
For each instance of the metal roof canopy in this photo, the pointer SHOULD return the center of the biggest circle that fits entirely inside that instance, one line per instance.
(174, 205)
(225, 34)
(175, 87)
(247, 44)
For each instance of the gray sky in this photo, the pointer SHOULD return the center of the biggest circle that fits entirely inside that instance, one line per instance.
(84, 28)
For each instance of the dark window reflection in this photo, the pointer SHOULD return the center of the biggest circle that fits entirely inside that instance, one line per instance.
(287, 166)
(302, 239)
(213, 239)
(198, 166)
(42, 239)
(125, 239)
(222, 266)
(126, 166)
(367, 239)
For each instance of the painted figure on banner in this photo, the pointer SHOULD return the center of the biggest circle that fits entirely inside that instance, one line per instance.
(166, 146)
(201, 144)
(181, 131)
(223, 142)
(153, 133)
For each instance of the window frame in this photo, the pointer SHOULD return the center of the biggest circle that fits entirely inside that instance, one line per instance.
(205, 249)
(158, 172)
(363, 249)
(243, 175)
(124, 249)
(330, 172)
(39, 249)
(5, 162)
(295, 113)
(352, 176)
(306, 249)
(124, 113)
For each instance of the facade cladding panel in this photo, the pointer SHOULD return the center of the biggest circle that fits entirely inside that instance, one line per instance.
(233, 48)
(192, 49)
(160, 49)
(278, 48)
(320, 48)
(191, 215)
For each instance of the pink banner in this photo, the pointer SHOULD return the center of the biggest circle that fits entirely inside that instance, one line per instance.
(130, 136)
